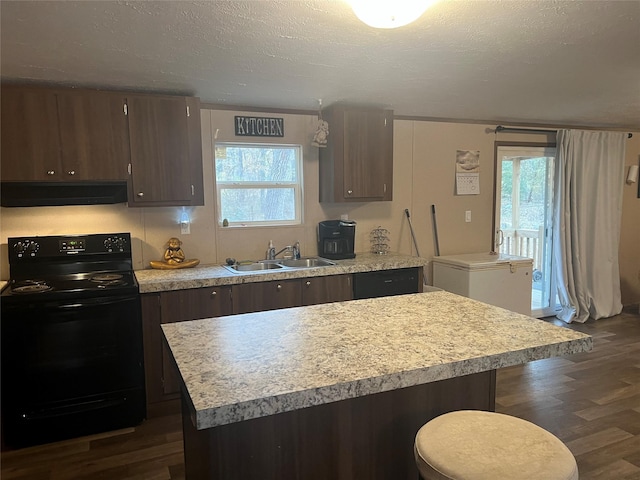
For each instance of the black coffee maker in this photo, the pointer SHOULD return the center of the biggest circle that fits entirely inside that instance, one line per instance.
(336, 239)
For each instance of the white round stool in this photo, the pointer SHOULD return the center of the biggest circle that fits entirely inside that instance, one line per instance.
(477, 445)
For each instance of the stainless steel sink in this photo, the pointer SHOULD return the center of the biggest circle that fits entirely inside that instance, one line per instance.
(253, 267)
(306, 262)
(263, 265)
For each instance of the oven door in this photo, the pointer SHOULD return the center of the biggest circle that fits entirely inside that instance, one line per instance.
(71, 368)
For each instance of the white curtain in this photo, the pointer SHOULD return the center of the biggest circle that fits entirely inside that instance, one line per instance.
(589, 177)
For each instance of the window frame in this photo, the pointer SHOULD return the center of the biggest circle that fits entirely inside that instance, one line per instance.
(296, 185)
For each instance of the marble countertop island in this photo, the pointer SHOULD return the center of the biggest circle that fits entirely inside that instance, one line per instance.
(254, 365)
(215, 275)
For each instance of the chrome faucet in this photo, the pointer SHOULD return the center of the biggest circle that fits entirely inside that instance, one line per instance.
(294, 249)
(288, 248)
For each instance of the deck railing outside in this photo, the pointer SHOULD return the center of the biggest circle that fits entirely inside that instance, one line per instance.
(524, 243)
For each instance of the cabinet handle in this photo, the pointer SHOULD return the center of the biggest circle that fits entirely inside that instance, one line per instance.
(349, 192)
(51, 172)
(71, 172)
(308, 283)
(279, 287)
(141, 194)
(214, 293)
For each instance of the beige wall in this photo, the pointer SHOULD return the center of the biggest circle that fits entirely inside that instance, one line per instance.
(630, 232)
(424, 175)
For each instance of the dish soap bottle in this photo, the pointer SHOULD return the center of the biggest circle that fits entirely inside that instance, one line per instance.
(271, 251)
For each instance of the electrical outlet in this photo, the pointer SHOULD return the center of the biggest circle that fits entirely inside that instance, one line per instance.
(467, 216)
(185, 228)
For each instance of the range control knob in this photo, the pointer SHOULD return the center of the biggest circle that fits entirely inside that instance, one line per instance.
(108, 244)
(19, 247)
(27, 248)
(114, 244)
(120, 242)
(32, 249)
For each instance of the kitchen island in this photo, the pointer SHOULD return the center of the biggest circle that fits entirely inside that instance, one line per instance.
(338, 391)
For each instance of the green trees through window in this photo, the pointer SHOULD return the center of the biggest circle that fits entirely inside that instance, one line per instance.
(259, 184)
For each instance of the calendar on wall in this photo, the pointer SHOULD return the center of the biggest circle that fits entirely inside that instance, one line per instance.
(467, 172)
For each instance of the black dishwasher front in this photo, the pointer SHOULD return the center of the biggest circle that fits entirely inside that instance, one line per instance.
(384, 283)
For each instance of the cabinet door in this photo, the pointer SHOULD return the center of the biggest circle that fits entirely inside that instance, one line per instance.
(366, 155)
(193, 304)
(357, 164)
(160, 168)
(257, 297)
(30, 143)
(334, 288)
(153, 348)
(162, 381)
(182, 305)
(94, 135)
(195, 150)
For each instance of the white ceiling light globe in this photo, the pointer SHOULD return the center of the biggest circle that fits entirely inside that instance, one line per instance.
(389, 13)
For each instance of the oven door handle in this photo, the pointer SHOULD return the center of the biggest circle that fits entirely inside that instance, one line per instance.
(89, 302)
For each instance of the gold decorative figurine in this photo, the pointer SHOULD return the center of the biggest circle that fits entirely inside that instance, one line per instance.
(174, 257)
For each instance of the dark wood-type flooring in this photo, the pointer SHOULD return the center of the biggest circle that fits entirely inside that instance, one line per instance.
(590, 401)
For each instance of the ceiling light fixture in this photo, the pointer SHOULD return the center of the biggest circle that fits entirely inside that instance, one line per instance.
(389, 13)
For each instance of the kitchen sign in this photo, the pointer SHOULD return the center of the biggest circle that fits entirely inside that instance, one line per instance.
(259, 127)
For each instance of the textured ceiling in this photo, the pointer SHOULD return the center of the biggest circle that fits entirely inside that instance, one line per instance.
(534, 61)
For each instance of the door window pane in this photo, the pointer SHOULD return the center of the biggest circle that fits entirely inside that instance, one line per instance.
(523, 211)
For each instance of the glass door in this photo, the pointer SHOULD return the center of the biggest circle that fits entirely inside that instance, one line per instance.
(524, 206)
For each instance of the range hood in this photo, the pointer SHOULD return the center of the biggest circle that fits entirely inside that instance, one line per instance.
(36, 194)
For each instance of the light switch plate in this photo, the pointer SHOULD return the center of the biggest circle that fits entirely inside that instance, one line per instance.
(467, 216)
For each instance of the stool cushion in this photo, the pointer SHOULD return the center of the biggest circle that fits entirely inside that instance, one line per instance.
(477, 445)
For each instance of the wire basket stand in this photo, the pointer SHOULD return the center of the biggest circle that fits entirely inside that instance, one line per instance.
(379, 238)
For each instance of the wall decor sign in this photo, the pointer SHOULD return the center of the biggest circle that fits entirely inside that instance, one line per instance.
(259, 126)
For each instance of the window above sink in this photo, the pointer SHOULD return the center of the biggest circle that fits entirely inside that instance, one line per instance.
(258, 184)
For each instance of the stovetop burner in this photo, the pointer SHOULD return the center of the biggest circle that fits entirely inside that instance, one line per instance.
(111, 283)
(32, 288)
(107, 277)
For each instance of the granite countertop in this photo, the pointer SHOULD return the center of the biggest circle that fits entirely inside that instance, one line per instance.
(215, 275)
(246, 366)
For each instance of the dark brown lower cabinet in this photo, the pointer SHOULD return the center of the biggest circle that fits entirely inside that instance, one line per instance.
(262, 296)
(162, 379)
(334, 288)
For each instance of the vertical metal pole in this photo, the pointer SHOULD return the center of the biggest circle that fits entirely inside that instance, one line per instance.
(413, 235)
(435, 229)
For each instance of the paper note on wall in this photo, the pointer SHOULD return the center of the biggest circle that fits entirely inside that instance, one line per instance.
(467, 172)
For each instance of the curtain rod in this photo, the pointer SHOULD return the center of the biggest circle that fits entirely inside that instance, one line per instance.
(500, 128)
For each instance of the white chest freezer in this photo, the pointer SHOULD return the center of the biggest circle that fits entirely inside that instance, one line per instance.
(501, 280)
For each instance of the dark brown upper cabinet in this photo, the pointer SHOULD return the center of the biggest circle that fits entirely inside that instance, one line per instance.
(94, 136)
(166, 151)
(51, 135)
(357, 164)
(76, 135)
(30, 137)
